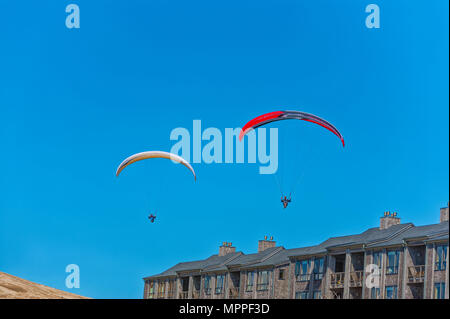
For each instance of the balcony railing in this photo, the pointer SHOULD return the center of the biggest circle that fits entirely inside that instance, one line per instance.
(318, 276)
(391, 270)
(264, 286)
(219, 290)
(151, 295)
(337, 280)
(171, 294)
(161, 295)
(356, 279)
(183, 295)
(303, 277)
(234, 293)
(207, 291)
(249, 288)
(416, 273)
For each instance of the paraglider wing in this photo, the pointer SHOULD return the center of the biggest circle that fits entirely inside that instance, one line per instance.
(286, 115)
(154, 154)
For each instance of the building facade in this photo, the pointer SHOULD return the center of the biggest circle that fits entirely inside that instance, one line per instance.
(392, 261)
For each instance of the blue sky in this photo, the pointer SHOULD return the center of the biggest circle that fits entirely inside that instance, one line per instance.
(75, 103)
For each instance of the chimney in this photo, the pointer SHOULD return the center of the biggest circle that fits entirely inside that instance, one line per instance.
(389, 219)
(444, 214)
(226, 249)
(265, 243)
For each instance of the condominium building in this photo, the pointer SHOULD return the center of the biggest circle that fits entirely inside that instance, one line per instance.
(391, 261)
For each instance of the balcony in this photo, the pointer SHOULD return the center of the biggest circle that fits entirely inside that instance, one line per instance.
(207, 291)
(183, 295)
(416, 274)
(337, 280)
(234, 293)
(249, 288)
(219, 290)
(356, 278)
(151, 295)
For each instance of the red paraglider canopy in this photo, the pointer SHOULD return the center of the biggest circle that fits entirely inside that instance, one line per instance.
(286, 115)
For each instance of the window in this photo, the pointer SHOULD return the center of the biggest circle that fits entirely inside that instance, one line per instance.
(377, 258)
(219, 284)
(263, 280)
(185, 284)
(207, 284)
(302, 270)
(301, 295)
(391, 292)
(393, 258)
(281, 274)
(439, 290)
(250, 280)
(318, 269)
(375, 293)
(440, 262)
(317, 294)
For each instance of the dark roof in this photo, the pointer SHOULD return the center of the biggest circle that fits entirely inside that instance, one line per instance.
(220, 262)
(372, 235)
(253, 258)
(438, 238)
(279, 258)
(427, 232)
(210, 262)
(304, 251)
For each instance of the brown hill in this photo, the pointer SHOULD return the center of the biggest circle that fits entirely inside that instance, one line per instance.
(12, 287)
